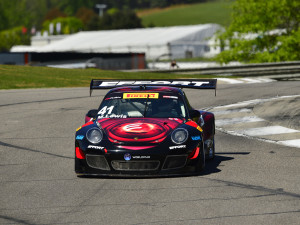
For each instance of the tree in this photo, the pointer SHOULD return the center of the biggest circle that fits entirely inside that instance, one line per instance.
(120, 19)
(68, 24)
(89, 18)
(26, 13)
(262, 31)
(11, 37)
(54, 13)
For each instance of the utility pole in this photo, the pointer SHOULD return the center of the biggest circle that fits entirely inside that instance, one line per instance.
(101, 8)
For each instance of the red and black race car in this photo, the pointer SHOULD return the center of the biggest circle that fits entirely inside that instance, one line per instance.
(143, 128)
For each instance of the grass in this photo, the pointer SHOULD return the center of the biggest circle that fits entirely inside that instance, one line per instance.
(210, 12)
(16, 77)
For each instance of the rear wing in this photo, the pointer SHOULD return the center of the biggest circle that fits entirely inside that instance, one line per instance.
(184, 83)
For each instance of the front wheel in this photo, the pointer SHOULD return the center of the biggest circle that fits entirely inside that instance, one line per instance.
(200, 164)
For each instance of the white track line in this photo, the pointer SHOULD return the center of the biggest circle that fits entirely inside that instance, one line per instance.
(266, 80)
(270, 130)
(246, 80)
(224, 112)
(230, 80)
(255, 101)
(250, 80)
(253, 133)
(291, 143)
(246, 119)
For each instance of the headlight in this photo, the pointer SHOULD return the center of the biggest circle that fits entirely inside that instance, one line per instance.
(94, 135)
(179, 135)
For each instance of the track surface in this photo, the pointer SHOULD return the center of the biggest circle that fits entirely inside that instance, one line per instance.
(249, 182)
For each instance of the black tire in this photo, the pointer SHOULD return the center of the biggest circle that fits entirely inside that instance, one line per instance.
(211, 155)
(200, 164)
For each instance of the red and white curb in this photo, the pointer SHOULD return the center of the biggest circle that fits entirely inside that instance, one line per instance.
(234, 125)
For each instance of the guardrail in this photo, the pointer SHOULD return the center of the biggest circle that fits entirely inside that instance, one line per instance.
(274, 70)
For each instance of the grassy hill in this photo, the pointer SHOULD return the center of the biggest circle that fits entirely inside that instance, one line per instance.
(211, 12)
(15, 77)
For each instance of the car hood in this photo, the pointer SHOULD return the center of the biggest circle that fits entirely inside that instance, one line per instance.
(139, 130)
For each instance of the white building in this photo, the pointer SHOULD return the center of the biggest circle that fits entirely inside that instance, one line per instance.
(172, 42)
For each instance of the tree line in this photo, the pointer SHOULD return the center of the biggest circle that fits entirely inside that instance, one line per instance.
(261, 31)
(20, 19)
(33, 13)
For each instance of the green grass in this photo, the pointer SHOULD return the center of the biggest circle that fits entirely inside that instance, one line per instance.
(211, 12)
(16, 77)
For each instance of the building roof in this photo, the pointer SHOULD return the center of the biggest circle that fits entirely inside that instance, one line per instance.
(127, 40)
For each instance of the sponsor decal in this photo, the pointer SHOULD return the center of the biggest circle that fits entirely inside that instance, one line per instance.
(199, 128)
(177, 146)
(127, 156)
(138, 127)
(141, 157)
(95, 147)
(196, 138)
(140, 95)
(79, 137)
(166, 96)
(118, 116)
(113, 116)
(116, 97)
(78, 128)
(163, 82)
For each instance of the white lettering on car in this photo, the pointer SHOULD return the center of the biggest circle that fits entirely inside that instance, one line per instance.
(177, 146)
(141, 157)
(163, 82)
(95, 147)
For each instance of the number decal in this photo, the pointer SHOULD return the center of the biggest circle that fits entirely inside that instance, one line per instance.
(105, 109)
(110, 109)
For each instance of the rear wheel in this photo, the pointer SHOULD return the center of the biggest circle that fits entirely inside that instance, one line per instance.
(210, 148)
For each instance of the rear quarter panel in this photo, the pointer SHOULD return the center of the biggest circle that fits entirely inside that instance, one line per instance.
(209, 124)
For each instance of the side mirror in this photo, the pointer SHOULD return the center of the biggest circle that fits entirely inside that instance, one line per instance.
(90, 115)
(194, 114)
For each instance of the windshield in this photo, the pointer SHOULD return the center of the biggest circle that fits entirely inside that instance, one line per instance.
(151, 107)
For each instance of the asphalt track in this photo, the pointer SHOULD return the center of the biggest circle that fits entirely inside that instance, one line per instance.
(249, 182)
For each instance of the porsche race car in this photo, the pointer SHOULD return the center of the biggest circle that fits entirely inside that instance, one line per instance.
(144, 128)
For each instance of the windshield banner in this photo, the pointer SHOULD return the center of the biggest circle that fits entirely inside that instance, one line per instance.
(140, 95)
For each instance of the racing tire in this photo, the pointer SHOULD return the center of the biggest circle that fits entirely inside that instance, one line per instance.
(200, 164)
(211, 151)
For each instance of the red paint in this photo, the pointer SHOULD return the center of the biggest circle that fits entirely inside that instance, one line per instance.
(88, 123)
(87, 119)
(192, 123)
(194, 153)
(141, 61)
(26, 58)
(79, 153)
(152, 130)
